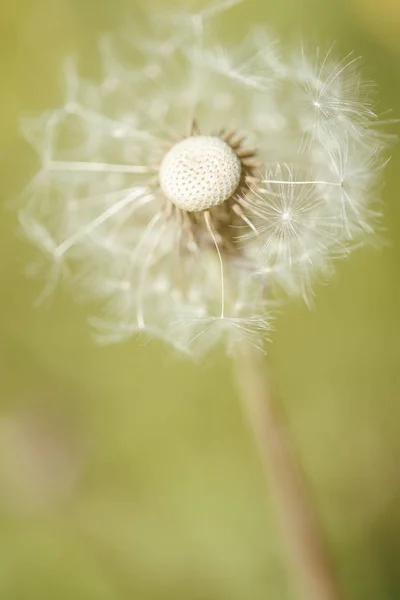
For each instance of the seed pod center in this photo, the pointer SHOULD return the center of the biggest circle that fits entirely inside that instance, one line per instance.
(200, 172)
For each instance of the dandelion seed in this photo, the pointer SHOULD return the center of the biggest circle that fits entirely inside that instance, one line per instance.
(178, 193)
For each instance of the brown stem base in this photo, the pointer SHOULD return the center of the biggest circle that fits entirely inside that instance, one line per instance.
(305, 546)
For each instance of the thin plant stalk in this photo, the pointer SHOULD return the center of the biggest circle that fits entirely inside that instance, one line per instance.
(312, 570)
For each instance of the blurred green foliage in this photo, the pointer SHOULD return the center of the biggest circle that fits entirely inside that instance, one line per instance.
(125, 473)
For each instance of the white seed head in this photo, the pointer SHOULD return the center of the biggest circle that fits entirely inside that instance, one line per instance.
(200, 172)
(250, 221)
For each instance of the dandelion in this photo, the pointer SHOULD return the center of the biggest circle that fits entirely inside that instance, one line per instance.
(178, 193)
(194, 186)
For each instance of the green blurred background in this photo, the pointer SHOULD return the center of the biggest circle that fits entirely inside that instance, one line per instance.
(125, 473)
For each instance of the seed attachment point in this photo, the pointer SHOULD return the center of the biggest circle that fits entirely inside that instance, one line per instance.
(199, 173)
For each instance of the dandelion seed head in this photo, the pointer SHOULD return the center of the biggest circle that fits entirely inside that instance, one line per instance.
(188, 195)
(200, 172)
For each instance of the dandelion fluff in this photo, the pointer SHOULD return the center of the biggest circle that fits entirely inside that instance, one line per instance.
(181, 189)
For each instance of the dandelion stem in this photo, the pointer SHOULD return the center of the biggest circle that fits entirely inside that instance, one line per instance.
(306, 550)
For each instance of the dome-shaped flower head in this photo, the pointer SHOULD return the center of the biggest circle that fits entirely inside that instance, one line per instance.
(193, 181)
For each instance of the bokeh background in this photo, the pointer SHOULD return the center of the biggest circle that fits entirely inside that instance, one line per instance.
(127, 474)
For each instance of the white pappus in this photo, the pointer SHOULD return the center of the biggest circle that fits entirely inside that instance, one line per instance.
(192, 180)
